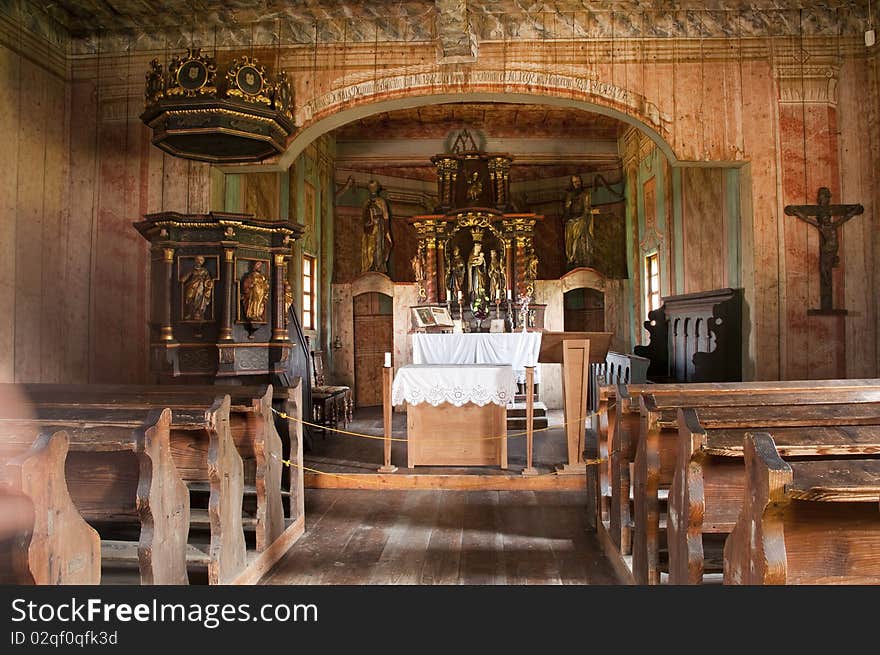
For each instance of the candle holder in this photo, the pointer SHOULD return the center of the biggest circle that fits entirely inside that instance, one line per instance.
(511, 316)
(524, 311)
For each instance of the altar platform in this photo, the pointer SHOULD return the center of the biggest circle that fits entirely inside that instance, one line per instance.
(349, 462)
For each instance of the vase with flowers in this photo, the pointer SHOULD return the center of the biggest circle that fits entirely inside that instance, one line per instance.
(480, 310)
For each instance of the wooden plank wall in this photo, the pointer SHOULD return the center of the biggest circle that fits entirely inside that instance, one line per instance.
(704, 220)
(78, 170)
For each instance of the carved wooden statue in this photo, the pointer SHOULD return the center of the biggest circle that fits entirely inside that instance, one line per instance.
(455, 274)
(254, 293)
(477, 276)
(198, 289)
(376, 243)
(821, 217)
(578, 213)
(497, 277)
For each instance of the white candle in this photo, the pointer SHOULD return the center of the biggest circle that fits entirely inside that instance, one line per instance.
(459, 296)
(508, 294)
(387, 360)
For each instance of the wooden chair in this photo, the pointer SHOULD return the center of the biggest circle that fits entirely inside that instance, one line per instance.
(332, 406)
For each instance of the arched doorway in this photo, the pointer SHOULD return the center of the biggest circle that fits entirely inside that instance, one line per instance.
(373, 337)
(584, 310)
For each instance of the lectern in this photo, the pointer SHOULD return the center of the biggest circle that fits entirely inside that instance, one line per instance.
(575, 351)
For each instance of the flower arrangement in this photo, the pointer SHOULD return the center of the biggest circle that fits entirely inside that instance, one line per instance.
(480, 308)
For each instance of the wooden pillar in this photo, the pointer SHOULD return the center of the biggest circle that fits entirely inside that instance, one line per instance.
(430, 268)
(387, 377)
(530, 420)
(166, 330)
(278, 331)
(227, 295)
(575, 382)
(441, 270)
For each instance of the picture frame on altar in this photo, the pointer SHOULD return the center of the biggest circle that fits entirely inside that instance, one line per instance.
(423, 317)
(441, 316)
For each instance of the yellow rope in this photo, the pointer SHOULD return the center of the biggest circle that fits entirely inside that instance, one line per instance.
(445, 439)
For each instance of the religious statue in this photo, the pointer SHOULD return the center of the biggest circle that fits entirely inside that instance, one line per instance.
(288, 298)
(198, 289)
(418, 266)
(577, 211)
(254, 293)
(821, 216)
(475, 186)
(477, 275)
(497, 277)
(376, 243)
(455, 272)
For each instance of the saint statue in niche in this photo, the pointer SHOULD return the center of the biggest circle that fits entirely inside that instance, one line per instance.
(475, 186)
(477, 276)
(254, 293)
(455, 273)
(497, 277)
(376, 242)
(198, 289)
(578, 212)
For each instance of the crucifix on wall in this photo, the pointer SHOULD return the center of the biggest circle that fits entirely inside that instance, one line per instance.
(821, 216)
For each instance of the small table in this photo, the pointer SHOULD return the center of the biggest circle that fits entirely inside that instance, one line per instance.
(456, 415)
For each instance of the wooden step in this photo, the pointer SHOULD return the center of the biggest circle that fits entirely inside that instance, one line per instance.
(200, 518)
(518, 410)
(518, 423)
(113, 551)
(249, 489)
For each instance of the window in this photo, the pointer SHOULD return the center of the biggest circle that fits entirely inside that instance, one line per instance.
(309, 282)
(652, 281)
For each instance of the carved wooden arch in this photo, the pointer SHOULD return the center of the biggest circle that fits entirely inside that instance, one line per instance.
(583, 278)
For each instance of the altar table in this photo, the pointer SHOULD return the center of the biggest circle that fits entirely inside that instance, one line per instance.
(519, 349)
(456, 414)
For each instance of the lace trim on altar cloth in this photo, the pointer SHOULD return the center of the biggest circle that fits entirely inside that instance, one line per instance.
(458, 396)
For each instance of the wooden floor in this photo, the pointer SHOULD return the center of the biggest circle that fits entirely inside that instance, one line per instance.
(444, 537)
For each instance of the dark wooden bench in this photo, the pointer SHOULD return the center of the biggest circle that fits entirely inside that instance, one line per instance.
(805, 522)
(706, 496)
(648, 443)
(120, 470)
(55, 545)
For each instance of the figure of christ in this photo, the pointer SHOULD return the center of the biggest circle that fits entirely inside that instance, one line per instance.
(821, 216)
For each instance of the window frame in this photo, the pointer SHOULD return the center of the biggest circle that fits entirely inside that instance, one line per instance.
(309, 298)
(652, 292)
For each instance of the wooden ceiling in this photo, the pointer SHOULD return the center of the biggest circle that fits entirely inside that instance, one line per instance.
(496, 120)
(409, 20)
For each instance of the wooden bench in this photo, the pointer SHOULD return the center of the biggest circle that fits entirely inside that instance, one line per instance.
(251, 424)
(649, 443)
(120, 469)
(203, 451)
(707, 489)
(55, 545)
(806, 522)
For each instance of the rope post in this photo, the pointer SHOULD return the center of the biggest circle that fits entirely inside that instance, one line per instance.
(387, 376)
(530, 419)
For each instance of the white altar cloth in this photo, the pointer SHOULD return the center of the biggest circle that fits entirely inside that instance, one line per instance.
(519, 349)
(457, 385)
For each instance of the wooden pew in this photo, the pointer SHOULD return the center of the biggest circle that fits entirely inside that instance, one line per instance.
(251, 422)
(55, 545)
(707, 490)
(806, 522)
(652, 456)
(120, 469)
(203, 452)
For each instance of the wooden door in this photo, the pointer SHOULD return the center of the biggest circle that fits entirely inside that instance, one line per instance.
(373, 337)
(584, 310)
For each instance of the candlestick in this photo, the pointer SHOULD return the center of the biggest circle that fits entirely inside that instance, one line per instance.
(387, 360)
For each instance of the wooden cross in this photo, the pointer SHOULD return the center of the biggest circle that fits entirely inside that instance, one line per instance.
(821, 217)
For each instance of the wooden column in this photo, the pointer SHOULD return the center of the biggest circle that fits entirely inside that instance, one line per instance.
(387, 376)
(530, 420)
(575, 382)
(226, 307)
(278, 331)
(431, 268)
(166, 331)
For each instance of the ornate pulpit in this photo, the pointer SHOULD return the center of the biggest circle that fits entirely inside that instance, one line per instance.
(220, 297)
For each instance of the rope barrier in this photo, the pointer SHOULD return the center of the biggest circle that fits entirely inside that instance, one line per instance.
(366, 477)
(445, 440)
